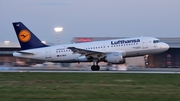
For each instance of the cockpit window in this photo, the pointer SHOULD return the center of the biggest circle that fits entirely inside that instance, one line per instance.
(156, 41)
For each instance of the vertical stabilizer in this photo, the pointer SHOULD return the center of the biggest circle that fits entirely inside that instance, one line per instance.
(26, 38)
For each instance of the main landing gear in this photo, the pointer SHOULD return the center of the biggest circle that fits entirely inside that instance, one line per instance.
(95, 66)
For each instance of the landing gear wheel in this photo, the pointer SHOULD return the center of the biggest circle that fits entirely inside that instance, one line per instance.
(95, 67)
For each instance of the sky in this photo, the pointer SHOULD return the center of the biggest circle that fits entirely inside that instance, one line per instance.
(91, 18)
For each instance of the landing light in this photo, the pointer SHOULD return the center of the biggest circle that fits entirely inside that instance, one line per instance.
(6, 42)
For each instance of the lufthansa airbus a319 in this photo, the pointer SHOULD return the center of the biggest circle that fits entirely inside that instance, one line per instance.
(112, 51)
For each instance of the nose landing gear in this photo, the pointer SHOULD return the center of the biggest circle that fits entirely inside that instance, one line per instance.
(146, 60)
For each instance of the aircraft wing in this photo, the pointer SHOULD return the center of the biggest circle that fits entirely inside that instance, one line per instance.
(85, 52)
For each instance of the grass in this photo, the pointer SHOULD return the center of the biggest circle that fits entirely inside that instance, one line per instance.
(89, 87)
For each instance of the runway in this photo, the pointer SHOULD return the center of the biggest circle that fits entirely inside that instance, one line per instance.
(135, 72)
(71, 70)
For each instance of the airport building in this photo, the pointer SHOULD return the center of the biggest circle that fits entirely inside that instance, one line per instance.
(168, 59)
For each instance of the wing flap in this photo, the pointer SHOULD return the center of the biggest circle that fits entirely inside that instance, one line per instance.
(85, 52)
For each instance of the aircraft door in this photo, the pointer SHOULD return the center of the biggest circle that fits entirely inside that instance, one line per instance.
(144, 43)
(48, 54)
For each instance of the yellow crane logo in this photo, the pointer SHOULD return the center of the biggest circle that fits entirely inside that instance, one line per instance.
(24, 35)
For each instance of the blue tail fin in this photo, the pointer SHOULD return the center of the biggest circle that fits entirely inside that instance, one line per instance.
(26, 38)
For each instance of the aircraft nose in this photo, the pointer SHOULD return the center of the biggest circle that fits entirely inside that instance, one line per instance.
(165, 46)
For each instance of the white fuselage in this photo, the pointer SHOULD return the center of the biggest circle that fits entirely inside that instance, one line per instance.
(129, 47)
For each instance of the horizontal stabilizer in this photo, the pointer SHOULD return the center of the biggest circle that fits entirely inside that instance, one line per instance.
(28, 53)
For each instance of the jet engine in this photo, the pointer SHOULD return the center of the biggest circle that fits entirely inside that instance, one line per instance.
(82, 59)
(115, 58)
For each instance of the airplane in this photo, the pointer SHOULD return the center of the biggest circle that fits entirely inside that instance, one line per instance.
(111, 51)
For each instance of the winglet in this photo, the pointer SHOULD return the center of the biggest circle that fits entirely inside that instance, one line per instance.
(26, 38)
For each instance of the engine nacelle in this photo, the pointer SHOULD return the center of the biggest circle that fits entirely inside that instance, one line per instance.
(82, 59)
(115, 58)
